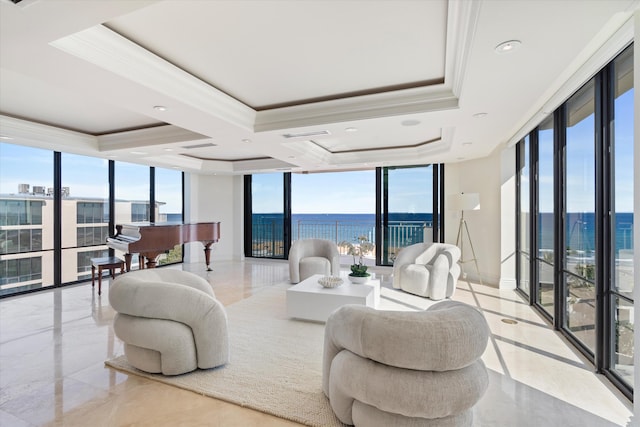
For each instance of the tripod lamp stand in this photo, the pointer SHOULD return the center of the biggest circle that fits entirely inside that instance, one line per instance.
(465, 202)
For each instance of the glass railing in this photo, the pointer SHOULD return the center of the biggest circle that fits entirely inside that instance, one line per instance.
(267, 240)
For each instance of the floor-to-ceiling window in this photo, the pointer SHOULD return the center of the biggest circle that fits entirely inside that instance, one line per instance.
(366, 208)
(336, 206)
(132, 197)
(582, 184)
(55, 212)
(407, 208)
(168, 202)
(26, 219)
(85, 214)
(266, 233)
(621, 301)
(545, 217)
(524, 217)
(579, 261)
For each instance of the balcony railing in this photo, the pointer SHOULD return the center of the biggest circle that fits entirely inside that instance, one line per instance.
(268, 241)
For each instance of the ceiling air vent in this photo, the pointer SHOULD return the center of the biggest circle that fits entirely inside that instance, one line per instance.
(190, 147)
(306, 134)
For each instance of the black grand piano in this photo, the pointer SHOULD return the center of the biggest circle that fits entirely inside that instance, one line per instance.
(152, 239)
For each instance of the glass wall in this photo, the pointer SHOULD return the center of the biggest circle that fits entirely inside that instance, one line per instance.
(621, 226)
(267, 216)
(524, 218)
(346, 207)
(545, 217)
(49, 234)
(26, 219)
(168, 200)
(407, 211)
(336, 206)
(579, 263)
(132, 198)
(85, 214)
(583, 157)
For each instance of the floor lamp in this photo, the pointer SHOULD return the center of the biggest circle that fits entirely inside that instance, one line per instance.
(465, 202)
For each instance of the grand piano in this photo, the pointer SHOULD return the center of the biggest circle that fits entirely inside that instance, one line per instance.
(152, 239)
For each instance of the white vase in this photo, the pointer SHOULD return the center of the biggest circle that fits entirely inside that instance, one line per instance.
(359, 280)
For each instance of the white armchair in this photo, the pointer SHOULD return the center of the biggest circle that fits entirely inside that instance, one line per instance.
(169, 320)
(313, 256)
(397, 368)
(427, 269)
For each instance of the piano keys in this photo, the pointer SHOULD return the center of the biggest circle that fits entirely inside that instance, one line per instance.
(152, 239)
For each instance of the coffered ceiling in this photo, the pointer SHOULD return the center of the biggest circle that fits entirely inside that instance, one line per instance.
(249, 86)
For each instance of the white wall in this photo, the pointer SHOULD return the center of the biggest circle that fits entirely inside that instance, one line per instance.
(215, 198)
(483, 176)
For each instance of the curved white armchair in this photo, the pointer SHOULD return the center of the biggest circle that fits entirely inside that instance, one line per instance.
(393, 368)
(313, 256)
(169, 320)
(427, 269)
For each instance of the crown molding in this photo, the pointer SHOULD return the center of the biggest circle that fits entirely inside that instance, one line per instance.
(34, 134)
(461, 25)
(109, 50)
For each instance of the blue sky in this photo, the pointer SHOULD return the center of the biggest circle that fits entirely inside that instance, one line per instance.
(344, 192)
(86, 176)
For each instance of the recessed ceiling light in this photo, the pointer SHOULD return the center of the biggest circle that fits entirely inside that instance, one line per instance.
(160, 108)
(410, 122)
(508, 46)
(246, 141)
(137, 152)
(480, 115)
(351, 130)
(168, 149)
(5, 138)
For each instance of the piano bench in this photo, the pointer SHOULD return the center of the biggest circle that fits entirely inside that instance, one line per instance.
(110, 263)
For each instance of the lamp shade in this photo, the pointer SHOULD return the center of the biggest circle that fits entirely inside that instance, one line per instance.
(463, 202)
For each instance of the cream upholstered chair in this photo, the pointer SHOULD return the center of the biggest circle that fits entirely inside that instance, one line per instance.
(392, 368)
(427, 269)
(170, 321)
(313, 256)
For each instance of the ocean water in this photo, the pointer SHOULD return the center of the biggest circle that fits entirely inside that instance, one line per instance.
(580, 229)
(337, 227)
(580, 232)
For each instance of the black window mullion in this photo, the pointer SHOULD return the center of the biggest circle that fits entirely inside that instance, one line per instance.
(560, 140)
(57, 219)
(287, 213)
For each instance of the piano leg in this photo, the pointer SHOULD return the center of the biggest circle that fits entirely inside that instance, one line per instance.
(127, 261)
(207, 254)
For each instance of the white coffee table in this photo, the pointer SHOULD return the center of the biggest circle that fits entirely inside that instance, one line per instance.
(310, 301)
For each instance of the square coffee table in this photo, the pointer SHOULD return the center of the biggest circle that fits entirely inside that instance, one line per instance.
(309, 300)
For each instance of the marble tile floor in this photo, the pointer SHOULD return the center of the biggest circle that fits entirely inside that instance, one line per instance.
(53, 345)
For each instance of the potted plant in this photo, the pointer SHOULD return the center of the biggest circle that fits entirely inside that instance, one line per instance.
(358, 269)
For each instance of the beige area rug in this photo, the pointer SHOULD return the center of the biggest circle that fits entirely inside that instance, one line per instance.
(276, 362)
(275, 366)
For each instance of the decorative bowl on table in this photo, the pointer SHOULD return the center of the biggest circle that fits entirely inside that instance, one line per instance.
(330, 281)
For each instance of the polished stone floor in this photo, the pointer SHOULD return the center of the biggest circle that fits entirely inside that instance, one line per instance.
(53, 345)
